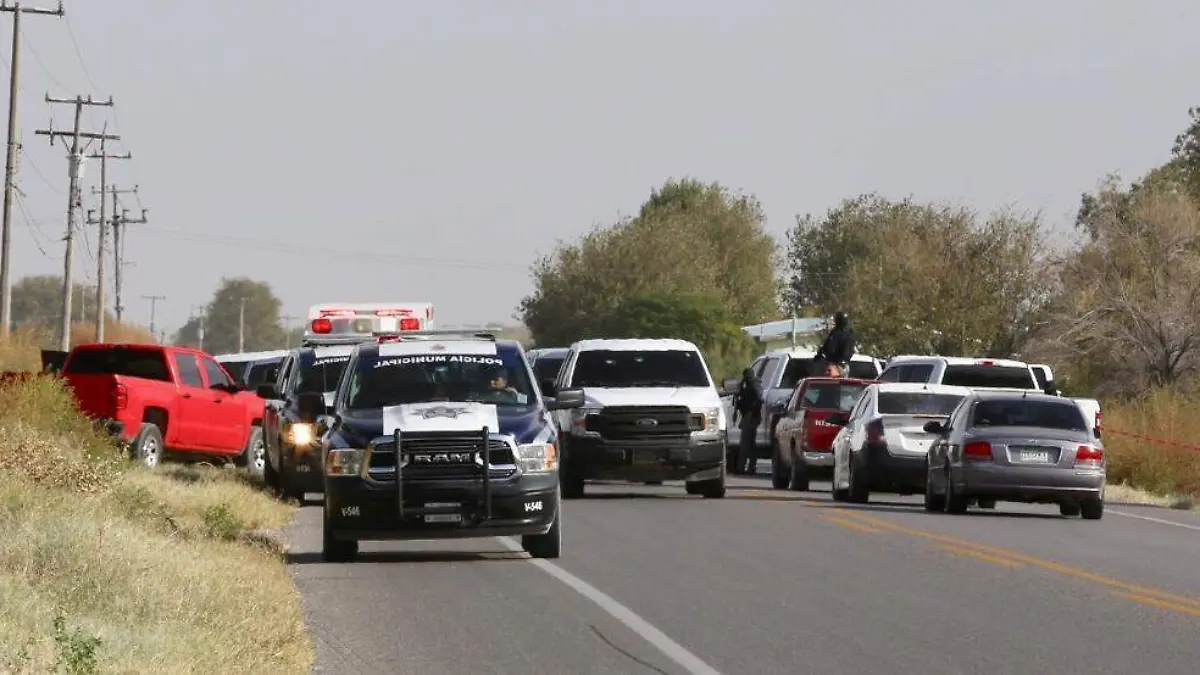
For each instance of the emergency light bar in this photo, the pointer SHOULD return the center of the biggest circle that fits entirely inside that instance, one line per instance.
(359, 322)
(397, 336)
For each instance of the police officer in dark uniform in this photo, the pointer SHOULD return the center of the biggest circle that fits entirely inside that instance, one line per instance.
(748, 402)
(839, 345)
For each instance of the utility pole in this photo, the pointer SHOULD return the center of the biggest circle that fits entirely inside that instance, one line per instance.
(200, 326)
(119, 221)
(153, 305)
(73, 198)
(10, 162)
(241, 325)
(101, 259)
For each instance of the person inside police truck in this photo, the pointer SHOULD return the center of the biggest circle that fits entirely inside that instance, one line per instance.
(498, 387)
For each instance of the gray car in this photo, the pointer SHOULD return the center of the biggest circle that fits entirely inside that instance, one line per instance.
(1016, 447)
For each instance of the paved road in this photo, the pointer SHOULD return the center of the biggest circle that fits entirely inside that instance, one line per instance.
(652, 581)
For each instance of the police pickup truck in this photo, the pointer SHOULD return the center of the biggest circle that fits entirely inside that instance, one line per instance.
(438, 435)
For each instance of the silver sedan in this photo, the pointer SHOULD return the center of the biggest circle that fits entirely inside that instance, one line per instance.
(1017, 447)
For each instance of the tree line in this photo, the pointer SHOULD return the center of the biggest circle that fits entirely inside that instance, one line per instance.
(1115, 310)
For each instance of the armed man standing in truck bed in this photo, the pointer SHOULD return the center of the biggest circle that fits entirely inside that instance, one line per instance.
(839, 345)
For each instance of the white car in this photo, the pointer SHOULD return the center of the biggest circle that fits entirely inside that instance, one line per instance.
(882, 444)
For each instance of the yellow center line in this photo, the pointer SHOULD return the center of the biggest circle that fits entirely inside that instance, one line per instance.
(1158, 604)
(996, 560)
(849, 524)
(1165, 597)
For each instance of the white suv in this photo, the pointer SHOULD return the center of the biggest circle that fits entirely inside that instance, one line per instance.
(651, 413)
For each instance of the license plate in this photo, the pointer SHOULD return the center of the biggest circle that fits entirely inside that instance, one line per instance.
(443, 518)
(442, 505)
(1035, 456)
(646, 456)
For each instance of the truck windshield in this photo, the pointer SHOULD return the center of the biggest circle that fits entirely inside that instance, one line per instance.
(641, 368)
(546, 367)
(384, 381)
(322, 375)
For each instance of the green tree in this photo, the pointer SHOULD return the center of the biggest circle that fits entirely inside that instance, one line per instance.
(688, 238)
(262, 327)
(922, 278)
(37, 301)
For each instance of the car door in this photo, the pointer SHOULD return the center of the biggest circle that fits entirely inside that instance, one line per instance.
(562, 418)
(227, 426)
(273, 411)
(848, 438)
(186, 431)
(789, 427)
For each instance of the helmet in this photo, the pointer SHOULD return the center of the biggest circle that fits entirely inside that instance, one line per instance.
(841, 319)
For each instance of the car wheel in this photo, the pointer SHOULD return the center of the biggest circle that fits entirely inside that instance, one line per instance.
(955, 503)
(779, 479)
(713, 488)
(859, 494)
(1070, 509)
(798, 478)
(254, 455)
(1092, 508)
(147, 447)
(838, 494)
(547, 545)
(336, 550)
(934, 503)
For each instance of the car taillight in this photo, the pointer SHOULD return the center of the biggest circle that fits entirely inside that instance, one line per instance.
(410, 323)
(322, 326)
(1088, 457)
(979, 451)
(1099, 421)
(875, 432)
(120, 397)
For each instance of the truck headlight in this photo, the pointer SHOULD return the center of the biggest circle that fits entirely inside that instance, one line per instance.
(579, 421)
(300, 434)
(344, 461)
(537, 457)
(711, 420)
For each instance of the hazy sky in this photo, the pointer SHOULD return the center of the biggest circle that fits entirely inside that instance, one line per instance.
(435, 148)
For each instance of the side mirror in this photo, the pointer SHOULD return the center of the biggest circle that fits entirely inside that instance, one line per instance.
(310, 405)
(730, 385)
(934, 427)
(325, 423)
(547, 386)
(1051, 390)
(839, 419)
(566, 400)
(267, 391)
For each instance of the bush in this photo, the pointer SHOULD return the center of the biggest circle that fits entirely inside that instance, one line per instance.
(109, 567)
(1131, 429)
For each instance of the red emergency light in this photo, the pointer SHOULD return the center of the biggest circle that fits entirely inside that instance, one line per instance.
(322, 326)
(410, 323)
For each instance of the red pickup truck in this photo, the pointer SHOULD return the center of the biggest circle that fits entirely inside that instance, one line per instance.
(164, 401)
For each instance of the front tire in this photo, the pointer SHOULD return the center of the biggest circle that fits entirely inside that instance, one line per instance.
(147, 447)
(713, 488)
(547, 545)
(254, 455)
(336, 550)
(779, 480)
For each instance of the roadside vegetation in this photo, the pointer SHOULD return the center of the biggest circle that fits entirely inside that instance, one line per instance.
(108, 568)
(1112, 304)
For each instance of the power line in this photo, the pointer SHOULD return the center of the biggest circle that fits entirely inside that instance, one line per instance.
(74, 201)
(103, 223)
(10, 163)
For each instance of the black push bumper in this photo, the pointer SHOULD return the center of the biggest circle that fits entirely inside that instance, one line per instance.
(364, 509)
(885, 472)
(589, 458)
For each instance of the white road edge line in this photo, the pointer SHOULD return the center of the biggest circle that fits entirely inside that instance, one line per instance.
(672, 649)
(1155, 520)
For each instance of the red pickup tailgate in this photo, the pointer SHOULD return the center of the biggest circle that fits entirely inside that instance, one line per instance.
(99, 396)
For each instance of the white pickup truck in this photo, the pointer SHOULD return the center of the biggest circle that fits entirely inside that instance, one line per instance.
(985, 374)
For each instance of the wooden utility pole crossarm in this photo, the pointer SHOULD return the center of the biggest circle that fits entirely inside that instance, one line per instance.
(10, 162)
(74, 202)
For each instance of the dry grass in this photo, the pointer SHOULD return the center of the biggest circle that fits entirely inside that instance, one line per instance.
(109, 569)
(1165, 470)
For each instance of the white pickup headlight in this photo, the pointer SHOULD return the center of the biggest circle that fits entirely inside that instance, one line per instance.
(344, 462)
(712, 417)
(579, 421)
(300, 434)
(537, 457)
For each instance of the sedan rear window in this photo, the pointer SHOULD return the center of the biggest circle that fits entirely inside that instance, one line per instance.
(1025, 413)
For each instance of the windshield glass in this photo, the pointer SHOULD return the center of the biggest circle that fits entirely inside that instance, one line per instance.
(546, 367)
(1025, 413)
(917, 403)
(384, 381)
(322, 375)
(831, 395)
(614, 369)
(799, 368)
(260, 372)
(997, 377)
